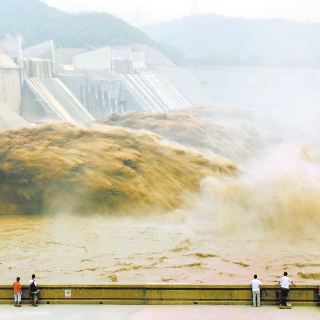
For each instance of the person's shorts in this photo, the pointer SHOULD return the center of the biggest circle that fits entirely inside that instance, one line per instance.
(17, 297)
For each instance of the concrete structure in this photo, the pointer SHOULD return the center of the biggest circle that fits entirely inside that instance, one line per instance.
(44, 50)
(64, 57)
(122, 66)
(101, 92)
(163, 294)
(153, 91)
(45, 97)
(194, 312)
(123, 78)
(10, 82)
(99, 59)
(141, 57)
(13, 47)
(79, 85)
(10, 93)
(38, 68)
(48, 99)
(28, 87)
(149, 81)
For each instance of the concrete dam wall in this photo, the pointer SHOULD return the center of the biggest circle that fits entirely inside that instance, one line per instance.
(49, 98)
(154, 92)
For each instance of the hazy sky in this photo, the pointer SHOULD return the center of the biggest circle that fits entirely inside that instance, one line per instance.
(141, 12)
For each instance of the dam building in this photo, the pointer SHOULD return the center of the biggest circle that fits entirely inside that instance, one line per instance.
(46, 98)
(78, 85)
(123, 78)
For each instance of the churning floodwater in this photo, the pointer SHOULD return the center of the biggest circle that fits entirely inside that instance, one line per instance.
(217, 193)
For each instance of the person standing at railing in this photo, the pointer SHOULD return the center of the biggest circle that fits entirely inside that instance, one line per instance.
(34, 291)
(285, 283)
(255, 285)
(17, 292)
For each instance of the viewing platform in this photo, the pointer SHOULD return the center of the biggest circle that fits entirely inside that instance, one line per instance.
(147, 312)
(158, 294)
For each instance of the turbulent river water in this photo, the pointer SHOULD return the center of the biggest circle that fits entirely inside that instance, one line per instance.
(215, 195)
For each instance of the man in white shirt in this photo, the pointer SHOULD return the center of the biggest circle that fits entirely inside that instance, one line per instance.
(255, 285)
(34, 291)
(285, 283)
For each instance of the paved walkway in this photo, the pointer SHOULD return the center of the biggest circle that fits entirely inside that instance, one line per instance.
(97, 312)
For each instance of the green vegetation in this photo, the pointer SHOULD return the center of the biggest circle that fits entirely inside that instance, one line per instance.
(37, 22)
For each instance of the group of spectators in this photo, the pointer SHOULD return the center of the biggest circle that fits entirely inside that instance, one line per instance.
(284, 282)
(33, 289)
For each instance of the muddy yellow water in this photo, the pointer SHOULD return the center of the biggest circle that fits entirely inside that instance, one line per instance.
(84, 250)
(167, 198)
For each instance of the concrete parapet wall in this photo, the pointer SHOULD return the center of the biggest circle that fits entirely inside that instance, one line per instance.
(162, 294)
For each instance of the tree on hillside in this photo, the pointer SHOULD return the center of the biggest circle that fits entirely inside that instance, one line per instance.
(38, 22)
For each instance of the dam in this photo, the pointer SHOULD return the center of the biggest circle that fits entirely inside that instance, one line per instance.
(45, 83)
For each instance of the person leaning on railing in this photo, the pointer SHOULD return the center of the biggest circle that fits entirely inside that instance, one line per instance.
(285, 283)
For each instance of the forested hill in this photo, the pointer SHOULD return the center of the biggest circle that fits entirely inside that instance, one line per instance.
(37, 22)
